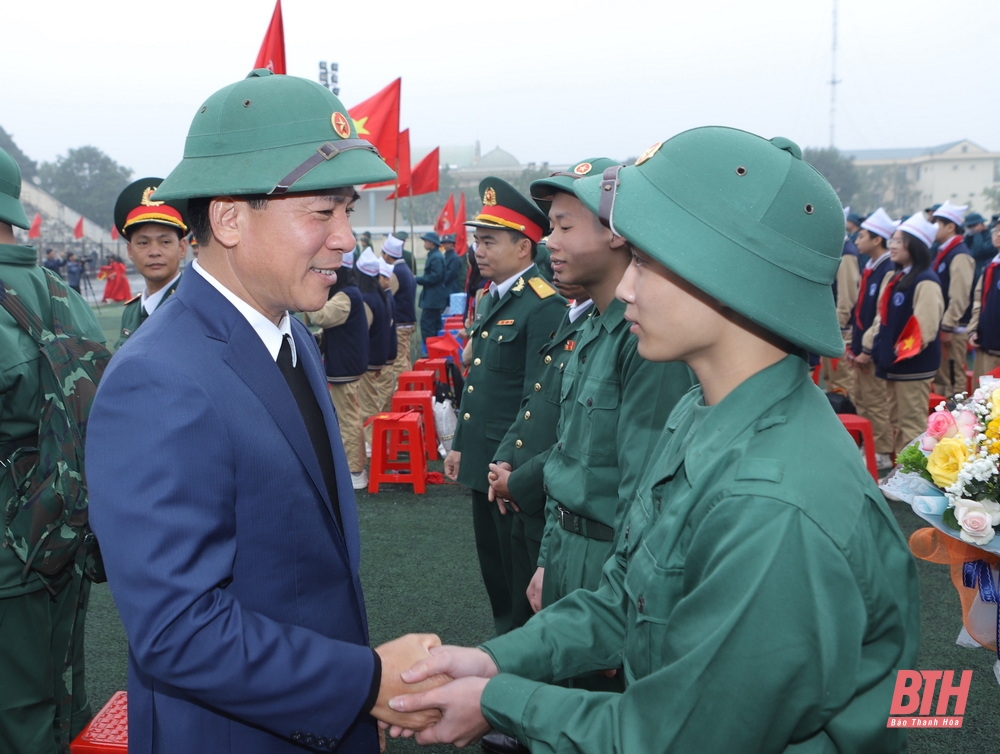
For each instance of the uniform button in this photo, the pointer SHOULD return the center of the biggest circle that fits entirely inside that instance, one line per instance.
(470, 388)
(527, 414)
(538, 386)
(548, 359)
(499, 338)
(641, 604)
(590, 402)
(518, 444)
(477, 362)
(467, 415)
(485, 334)
(559, 446)
(583, 359)
(626, 531)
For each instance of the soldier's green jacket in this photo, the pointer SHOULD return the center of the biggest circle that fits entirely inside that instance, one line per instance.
(614, 405)
(20, 394)
(134, 313)
(533, 433)
(507, 335)
(761, 598)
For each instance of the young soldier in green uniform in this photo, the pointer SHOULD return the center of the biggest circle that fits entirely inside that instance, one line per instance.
(522, 453)
(42, 692)
(614, 402)
(155, 232)
(512, 324)
(761, 597)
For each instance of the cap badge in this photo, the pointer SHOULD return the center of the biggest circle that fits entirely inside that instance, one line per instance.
(147, 200)
(490, 197)
(583, 168)
(340, 125)
(649, 153)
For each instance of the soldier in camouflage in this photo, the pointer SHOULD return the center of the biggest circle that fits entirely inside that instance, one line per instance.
(43, 699)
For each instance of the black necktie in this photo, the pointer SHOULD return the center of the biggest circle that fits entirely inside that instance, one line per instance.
(298, 382)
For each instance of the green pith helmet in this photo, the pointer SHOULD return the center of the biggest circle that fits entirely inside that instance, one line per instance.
(543, 189)
(11, 210)
(136, 206)
(505, 207)
(272, 135)
(744, 219)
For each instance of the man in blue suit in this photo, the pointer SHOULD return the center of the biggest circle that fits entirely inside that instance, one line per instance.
(228, 525)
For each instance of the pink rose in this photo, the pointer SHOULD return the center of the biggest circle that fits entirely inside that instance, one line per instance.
(927, 443)
(966, 421)
(942, 424)
(976, 520)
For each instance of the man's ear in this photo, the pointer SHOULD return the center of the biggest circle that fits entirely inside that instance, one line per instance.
(524, 248)
(225, 215)
(618, 242)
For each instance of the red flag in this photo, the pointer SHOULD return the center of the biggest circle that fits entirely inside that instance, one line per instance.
(36, 227)
(377, 121)
(424, 178)
(909, 343)
(114, 233)
(446, 220)
(78, 229)
(461, 238)
(402, 168)
(272, 49)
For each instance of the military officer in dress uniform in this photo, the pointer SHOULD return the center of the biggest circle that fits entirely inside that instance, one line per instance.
(513, 321)
(522, 453)
(761, 597)
(155, 232)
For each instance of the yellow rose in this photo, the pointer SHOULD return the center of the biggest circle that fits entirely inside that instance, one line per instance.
(946, 460)
(995, 403)
(993, 434)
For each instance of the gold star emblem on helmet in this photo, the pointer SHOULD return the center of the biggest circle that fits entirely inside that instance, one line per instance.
(583, 168)
(490, 197)
(649, 153)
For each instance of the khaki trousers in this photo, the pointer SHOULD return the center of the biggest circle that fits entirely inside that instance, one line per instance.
(369, 399)
(402, 364)
(871, 399)
(908, 404)
(984, 364)
(950, 377)
(345, 400)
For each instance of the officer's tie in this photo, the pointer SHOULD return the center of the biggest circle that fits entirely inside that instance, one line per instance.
(298, 382)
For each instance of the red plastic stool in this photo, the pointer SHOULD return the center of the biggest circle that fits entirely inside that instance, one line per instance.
(861, 430)
(392, 435)
(422, 401)
(416, 380)
(933, 401)
(438, 366)
(107, 733)
(444, 346)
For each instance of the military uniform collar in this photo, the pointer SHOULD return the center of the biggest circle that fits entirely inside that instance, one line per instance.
(149, 303)
(512, 282)
(745, 411)
(20, 255)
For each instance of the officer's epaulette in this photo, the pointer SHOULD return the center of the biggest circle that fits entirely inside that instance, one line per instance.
(136, 297)
(541, 287)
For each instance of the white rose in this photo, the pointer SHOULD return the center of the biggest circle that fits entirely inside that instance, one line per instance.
(977, 520)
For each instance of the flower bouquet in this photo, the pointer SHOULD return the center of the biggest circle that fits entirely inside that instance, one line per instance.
(952, 469)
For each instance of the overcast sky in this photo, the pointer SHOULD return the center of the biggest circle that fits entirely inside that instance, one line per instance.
(554, 81)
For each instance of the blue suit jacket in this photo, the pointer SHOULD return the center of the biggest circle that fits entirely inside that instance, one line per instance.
(239, 593)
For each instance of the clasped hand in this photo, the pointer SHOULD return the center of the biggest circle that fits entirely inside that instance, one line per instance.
(453, 704)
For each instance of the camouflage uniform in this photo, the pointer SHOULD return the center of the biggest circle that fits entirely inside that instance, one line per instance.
(38, 618)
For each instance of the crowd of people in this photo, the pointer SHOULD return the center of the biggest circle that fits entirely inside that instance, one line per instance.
(914, 300)
(679, 544)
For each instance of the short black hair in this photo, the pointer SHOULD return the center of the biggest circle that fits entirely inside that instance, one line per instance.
(197, 214)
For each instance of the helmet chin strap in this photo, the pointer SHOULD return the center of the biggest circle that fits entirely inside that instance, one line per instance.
(327, 151)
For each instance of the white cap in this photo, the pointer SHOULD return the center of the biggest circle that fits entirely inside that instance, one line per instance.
(368, 263)
(879, 223)
(919, 227)
(847, 211)
(384, 268)
(952, 212)
(393, 247)
(349, 259)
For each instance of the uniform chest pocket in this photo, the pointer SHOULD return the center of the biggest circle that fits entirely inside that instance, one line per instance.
(503, 348)
(598, 402)
(653, 592)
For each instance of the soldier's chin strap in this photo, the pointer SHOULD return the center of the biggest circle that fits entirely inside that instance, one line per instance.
(327, 151)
